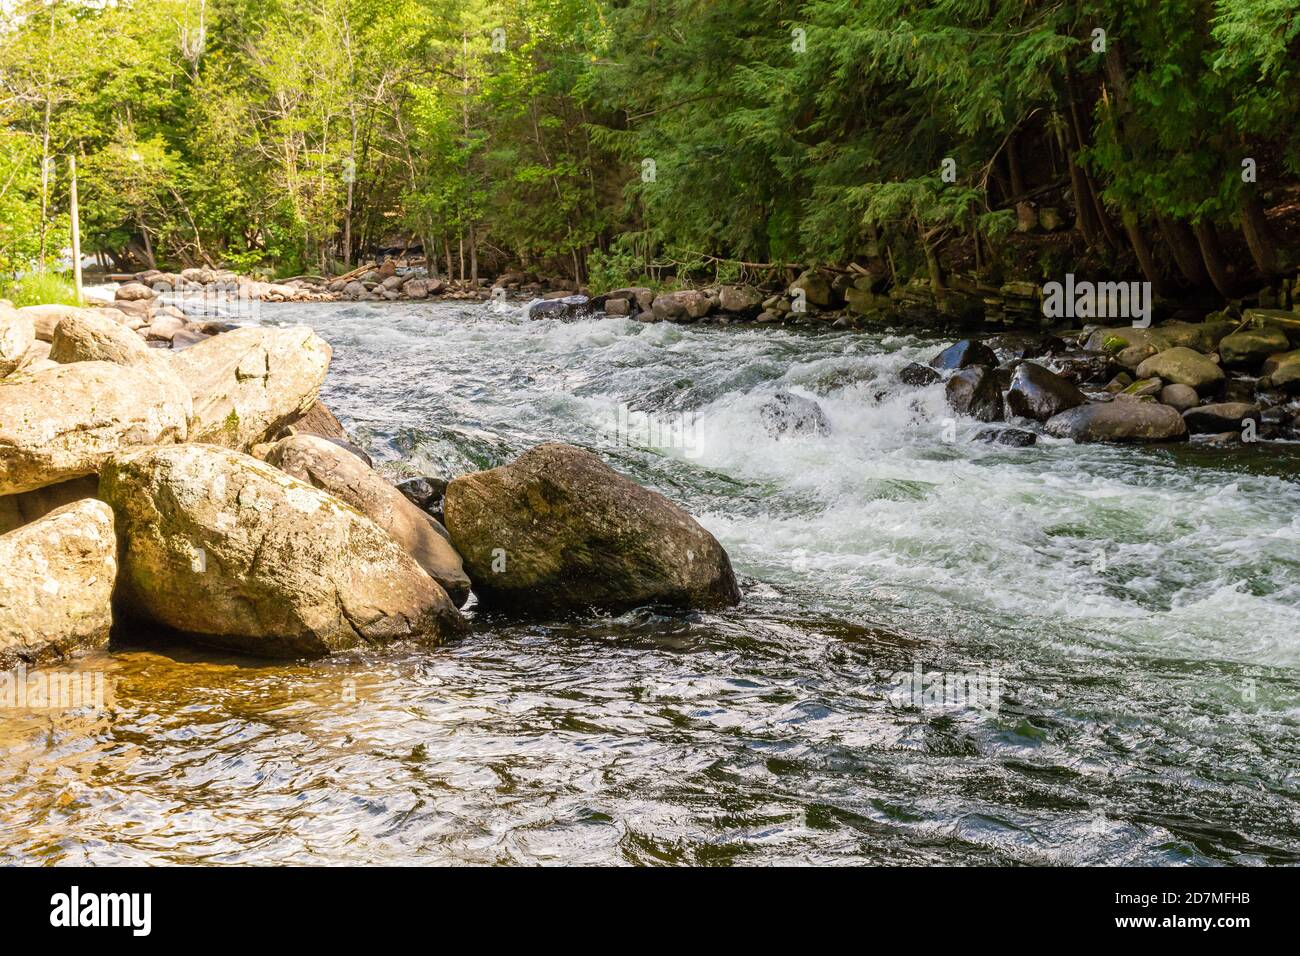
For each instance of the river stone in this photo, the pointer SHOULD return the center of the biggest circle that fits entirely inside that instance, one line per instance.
(1249, 347)
(250, 383)
(569, 308)
(236, 553)
(1220, 417)
(325, 465)
(964, 354)
(1142, 388)
(918, 375)
(816, 288)
(88, 337)
(425, 493)
(63, 422)
(1183, 366)
(684, 306)
(1134, 421)
(788, 414)
(1282, 371)
(17, 336)
(1038, 393)
(56, 584)
(1132, 356)
(1201, 336)
(974, 391)
(1179, 397)
(559, 529)
(1288, 322)
(740, 299)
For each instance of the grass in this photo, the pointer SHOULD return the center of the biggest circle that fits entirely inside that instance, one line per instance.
(40, 288)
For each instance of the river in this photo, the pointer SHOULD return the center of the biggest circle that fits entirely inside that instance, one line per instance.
(1136, 610)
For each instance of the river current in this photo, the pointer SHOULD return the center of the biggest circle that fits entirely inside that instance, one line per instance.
(1121, 627)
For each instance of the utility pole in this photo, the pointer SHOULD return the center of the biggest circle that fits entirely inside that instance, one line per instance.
(76, 229)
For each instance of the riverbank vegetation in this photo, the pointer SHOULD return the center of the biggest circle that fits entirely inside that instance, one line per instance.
(610, 141)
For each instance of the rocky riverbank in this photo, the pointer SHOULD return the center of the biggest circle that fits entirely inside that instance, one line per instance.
(206, 491)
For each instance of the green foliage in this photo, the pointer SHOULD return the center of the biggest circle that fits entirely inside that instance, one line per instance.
(40, 288)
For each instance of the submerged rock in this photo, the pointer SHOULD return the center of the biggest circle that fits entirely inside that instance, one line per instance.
(570, 308)
(559, 529)
(964, 354)
(974, 391)
(56, 584)
(918, 375)
(1038, 393)
(788, 414)
(250, 383)
(1133, 421)
(236, 553)
(1016, 437)
(63, 422)
(320, 462)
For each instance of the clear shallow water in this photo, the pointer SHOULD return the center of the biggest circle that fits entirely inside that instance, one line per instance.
(1140, 610)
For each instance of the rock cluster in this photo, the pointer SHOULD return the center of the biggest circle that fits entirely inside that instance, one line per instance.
(208, 492)
(1238, 380)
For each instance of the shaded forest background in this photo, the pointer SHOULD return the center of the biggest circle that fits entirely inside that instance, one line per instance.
(611, 140)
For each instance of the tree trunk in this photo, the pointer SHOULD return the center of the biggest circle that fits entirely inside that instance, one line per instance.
(473, 255)
(148, 245)
(1187, 254)
(1258, 233)
(1142, 249)
(1207, 238)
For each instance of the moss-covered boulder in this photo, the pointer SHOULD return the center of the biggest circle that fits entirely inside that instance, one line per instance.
(1183, 366)
(249, 383)
(1248, 348)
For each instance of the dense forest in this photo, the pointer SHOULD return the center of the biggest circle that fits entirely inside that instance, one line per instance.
(611, 139)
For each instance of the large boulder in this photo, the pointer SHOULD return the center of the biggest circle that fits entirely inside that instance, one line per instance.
(974, 391)
(236, 553)
(558, 528)
(1039, 393)
(1249, 347)
(89, 337)
(17, 335)
(250, 383)
(788, 414)
(63, 422)
(56, 584)
(918, 375)
(1130, 421)
(684, 306)
(1183, 366)
(322, 463)
(964, 354)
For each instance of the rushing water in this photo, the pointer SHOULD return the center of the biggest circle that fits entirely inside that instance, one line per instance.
(1139, 610)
